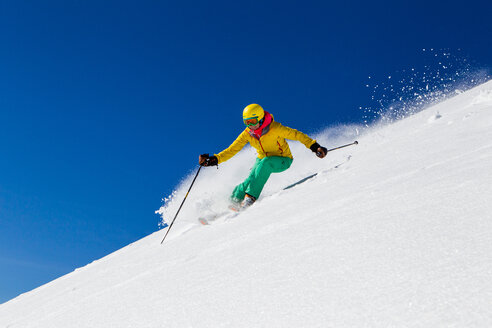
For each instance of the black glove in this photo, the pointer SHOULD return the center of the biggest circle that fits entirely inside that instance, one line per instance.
(320, 151)
(206, 160)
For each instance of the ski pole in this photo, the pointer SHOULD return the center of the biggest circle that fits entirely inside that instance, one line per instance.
(350, 144)
(170, 226)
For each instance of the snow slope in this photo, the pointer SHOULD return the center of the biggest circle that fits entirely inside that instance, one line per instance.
(400, 235)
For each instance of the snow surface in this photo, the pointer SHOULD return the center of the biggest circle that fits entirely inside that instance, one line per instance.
(399, 235)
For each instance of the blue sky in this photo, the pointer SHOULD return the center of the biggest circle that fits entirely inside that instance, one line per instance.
(105, 105)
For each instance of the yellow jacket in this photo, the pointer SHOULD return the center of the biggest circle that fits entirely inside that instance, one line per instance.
(272, 143)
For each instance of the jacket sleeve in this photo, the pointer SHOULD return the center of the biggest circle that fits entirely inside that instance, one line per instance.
(293, 134)
(234, 148)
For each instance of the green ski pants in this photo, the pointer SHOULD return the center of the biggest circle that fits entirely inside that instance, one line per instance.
(254, 183)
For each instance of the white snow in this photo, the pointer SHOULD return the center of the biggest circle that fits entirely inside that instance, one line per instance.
(399, 235)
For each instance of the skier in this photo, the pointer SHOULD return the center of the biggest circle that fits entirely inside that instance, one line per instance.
(274, 156)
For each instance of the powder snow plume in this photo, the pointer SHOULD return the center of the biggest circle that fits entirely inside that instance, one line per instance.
(403, 93)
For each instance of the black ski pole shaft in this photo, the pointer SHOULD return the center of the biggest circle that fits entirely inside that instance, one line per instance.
(172, 222)
(350, 144)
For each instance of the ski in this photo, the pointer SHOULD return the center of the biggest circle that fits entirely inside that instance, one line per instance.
(226, 215)
(203, 221)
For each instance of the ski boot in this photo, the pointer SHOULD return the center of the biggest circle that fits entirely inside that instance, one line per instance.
(247, 202)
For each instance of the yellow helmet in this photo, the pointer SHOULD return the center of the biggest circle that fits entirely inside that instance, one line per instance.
(253, 111)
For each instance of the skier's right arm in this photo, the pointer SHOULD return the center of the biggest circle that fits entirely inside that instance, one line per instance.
(234, 148)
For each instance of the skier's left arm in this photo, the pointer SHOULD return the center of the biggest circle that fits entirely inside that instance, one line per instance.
(293, 134)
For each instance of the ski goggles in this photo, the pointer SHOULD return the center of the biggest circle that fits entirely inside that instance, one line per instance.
(251, 121)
